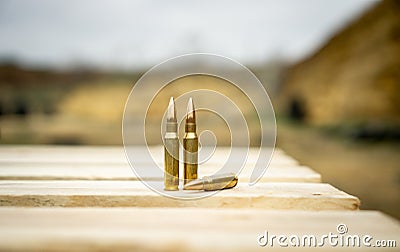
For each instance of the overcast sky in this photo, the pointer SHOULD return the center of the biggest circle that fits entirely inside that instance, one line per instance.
(135, 34)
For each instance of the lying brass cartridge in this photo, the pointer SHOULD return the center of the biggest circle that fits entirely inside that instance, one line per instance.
(212, 183)
(190, 145)
(171, 150)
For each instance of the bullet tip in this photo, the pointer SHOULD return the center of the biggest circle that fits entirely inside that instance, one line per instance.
(194, 185)
(171, 113)
(191, 114)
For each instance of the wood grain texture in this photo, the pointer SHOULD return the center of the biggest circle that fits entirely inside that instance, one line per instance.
(68, 171)
(114, 155)
(178, 229)
(110, 163)
(306, 196)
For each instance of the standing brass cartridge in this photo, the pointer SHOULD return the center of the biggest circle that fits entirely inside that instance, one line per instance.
(190, 145)
(171, 150)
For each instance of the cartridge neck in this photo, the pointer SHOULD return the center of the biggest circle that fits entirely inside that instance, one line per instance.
(190, 127)
(172, 127)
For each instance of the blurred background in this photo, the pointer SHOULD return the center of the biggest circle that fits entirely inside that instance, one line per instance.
(331, 68)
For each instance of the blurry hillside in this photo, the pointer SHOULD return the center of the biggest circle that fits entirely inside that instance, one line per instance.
(353, 82)
(344, 106)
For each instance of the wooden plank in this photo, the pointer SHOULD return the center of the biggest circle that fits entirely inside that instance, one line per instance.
(112, 154)
(177, 229)
(67, 171)
(307, 196)
(109, 163)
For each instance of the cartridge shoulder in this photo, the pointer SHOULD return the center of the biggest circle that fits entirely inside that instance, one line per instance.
(171, 135)
(190, 135)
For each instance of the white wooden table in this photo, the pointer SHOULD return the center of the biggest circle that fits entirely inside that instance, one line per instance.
(60, 198)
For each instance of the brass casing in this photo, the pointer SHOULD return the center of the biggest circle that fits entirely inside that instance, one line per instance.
(171, 161)
(219, 182)
(190, 156)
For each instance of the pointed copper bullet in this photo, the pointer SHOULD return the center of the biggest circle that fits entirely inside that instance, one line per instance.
(191, 113)
(171, 113)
